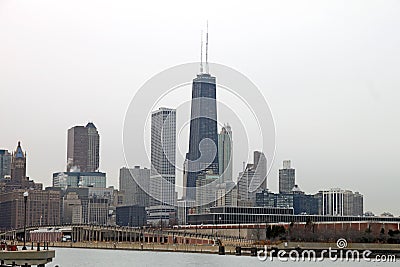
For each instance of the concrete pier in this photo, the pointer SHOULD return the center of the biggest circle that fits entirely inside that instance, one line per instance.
(26, 257)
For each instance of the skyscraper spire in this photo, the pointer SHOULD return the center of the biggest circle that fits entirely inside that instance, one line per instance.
(201, 53)
(207, 68)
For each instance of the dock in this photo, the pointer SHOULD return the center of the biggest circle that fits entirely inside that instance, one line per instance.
(26, 257)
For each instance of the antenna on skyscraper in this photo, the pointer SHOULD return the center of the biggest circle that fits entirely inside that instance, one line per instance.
(207, 69)
(201, 53)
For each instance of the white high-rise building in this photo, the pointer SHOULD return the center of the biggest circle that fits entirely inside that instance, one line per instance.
(260, 165)
(340, 202)
(252, 180)
(225, 153)
(245, 196)
(226, 190)
(162, 174)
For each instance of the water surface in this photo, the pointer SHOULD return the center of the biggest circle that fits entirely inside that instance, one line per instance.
(75, 257)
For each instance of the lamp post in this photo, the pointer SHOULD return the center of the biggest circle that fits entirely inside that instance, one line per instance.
(217, 227)
(25, 200)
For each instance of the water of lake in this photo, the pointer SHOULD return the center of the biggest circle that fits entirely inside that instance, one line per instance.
(72, 257)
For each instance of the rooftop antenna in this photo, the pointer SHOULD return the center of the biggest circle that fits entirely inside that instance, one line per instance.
(207, 69)
(201, 53)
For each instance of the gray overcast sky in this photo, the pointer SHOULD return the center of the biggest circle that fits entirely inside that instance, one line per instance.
(329, 69)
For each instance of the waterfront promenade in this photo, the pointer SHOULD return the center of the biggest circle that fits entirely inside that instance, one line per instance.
(195, 239)
(229, 249)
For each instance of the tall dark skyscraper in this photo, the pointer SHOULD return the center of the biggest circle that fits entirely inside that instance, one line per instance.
(203, 139)
(83, 148)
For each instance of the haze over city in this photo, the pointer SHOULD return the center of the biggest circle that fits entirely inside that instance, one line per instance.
(330, 77)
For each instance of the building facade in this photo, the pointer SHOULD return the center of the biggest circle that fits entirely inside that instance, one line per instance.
(132, 216)
(206, 191)
(88, 205)
(265, 198)
(72, 212)
(163, 150)
(260, 164)
(339, 202)
(83, 148)
(286, 177)
(226, 194)
(254, 215)
(246, 198)
(135, 185)
(162, 173)
(300, 202)
(79, 179)
(184, 208)
(305, 203)
(225, 154)
(43, 208)
(240, 215)
(18, 178)
(252, 180)
(18, 166)
(5, 164)
(203, 137)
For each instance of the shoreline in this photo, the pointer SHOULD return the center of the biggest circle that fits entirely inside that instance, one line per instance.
(134, 246)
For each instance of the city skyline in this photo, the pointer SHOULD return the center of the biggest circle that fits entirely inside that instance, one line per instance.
(338, 129)
(166, 136)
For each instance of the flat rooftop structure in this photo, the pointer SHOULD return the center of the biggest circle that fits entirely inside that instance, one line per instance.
(251, 210)
(243, 215)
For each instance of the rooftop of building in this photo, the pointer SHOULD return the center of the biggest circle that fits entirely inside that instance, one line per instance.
(18, 152)
(90, 125)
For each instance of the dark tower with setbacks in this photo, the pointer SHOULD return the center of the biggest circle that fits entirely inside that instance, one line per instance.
(203, 139)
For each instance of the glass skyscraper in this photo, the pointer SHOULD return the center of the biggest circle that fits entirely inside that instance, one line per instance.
(203, 139)
(5, 163)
